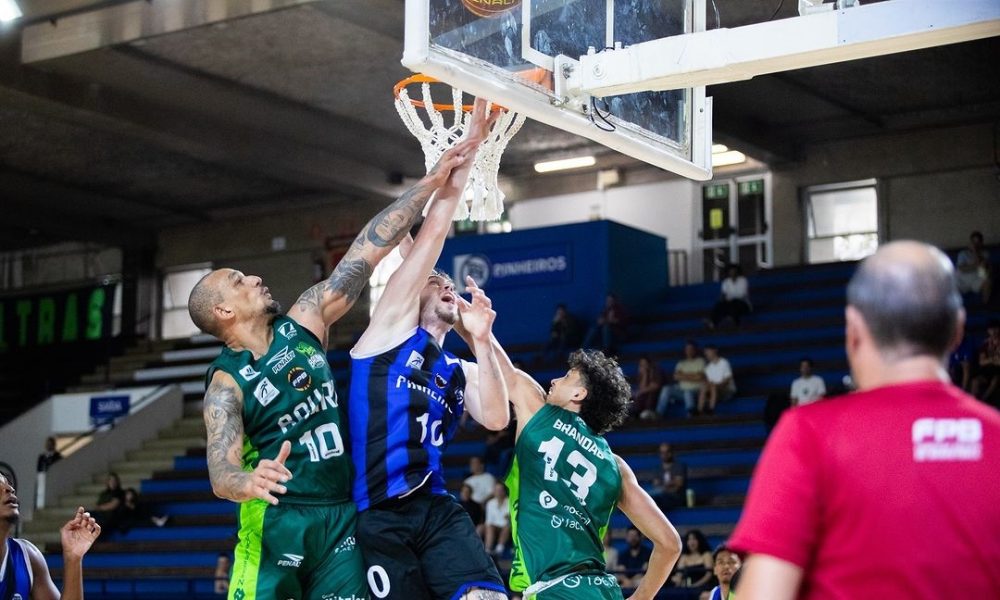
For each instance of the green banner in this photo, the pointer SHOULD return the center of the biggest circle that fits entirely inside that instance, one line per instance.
(65, 317)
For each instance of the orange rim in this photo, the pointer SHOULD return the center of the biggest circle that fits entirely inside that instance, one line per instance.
(421, 78)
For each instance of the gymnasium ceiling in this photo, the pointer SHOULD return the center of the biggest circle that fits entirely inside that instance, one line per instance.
(292, 106)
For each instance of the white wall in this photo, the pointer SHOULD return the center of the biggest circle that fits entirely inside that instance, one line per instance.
(665, 208)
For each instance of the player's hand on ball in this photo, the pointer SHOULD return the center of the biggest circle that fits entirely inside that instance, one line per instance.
(267, 479)
(478, 315)
(79, 533)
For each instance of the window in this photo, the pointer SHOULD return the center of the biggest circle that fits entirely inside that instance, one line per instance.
(841, 221)
(177, 286)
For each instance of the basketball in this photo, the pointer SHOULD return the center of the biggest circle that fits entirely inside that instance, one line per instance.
(489, 8)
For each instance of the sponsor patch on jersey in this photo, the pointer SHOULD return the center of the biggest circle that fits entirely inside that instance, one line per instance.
(305, 349)
(280, 360)
(265, 392)
(416, 360)
(249, 373)
(947, 440)
(440, 381)
(299, 379)
(317, 361)
(291, 560)
(546, 500)
(287, 330)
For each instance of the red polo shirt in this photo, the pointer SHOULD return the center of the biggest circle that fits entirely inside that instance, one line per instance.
(888, 493)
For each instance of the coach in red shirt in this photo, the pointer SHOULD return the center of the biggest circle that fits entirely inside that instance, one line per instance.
(893, 491)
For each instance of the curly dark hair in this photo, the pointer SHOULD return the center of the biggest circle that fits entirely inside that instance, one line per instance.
(608, 393)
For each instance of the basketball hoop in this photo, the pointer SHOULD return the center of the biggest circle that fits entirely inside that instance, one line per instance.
(483, 197)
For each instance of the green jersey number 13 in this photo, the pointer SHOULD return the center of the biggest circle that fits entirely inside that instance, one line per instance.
(579, 482)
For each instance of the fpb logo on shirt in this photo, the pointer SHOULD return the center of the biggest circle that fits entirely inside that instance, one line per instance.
(947, 439)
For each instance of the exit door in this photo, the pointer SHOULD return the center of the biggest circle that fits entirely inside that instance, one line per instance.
(735, 225)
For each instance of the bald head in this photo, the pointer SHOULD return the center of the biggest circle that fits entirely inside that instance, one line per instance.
(907, 296)
(202, 302)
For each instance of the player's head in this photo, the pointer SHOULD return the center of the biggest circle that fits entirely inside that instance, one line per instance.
(727, 563)
(438, 300)
(226, 297)
(9, 508)
(595, 387)
(902, 302)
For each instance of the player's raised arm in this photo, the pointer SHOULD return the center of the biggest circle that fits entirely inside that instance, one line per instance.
(324, 303)
(224, 424)
(398, 311)
(644, 514)
(485, 389)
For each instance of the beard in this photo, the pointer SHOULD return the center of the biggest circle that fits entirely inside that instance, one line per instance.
(273, 309)
(446, 314)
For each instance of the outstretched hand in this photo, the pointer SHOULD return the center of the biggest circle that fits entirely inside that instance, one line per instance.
(268, 477)
(478, 315)
(79, 534)
(464, 151)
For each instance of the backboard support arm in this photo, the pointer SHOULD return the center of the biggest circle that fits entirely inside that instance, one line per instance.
(740, 53)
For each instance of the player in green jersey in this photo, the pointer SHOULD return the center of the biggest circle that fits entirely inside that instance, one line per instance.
(271, 394)
(565, 482)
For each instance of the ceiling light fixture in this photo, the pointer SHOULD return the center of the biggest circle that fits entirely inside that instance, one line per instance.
(565, 163)
(729, 157)
(9, 10)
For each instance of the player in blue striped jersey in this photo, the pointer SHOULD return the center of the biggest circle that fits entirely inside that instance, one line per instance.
(407, 396)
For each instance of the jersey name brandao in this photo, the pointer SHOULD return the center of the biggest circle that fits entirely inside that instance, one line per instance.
(585, 442)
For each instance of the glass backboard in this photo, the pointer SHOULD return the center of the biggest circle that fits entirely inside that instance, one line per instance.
(506, 50)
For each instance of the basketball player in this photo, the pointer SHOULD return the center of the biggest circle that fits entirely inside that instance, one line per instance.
(273, 417)
(23, 572)
(407, 396)
(565, 482)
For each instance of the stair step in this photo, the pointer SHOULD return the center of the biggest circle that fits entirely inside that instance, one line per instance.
(144, 467)
(154, 454)
(175, 444)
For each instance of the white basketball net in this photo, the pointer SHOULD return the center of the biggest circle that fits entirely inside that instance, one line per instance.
(486, 202)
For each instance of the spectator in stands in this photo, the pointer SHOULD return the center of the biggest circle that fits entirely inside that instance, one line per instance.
(808, 387)
(898, 470)
(222, 564)
(727, 565)
(50, 456)
(649, 382)
(611, 564)
(988, 364)
(694, 567)
(670, 488)
(498, 521)
(719, 384)
(734, 301)
(961, 362)
(480, 481)
(472, 507)
(563, 334)
(611, 326)
(136, 513)
(973, 265)
(108, 510)
(500, 447)
(635, 560)
(689, 377)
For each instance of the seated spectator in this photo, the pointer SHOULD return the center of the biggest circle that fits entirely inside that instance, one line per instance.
(480, 481)
(808, 387)
(734, 301)
(611, 564)
(222, 563)
(108, 510)
(564, 333)
(472, 507)
(649, 382)
(719, 384)
(727, 566)
(670, 488)
(988, 364)
(497, 521)
(500, 447)
(689, 377)
(50, 456)
(694, 567)
(611, 325)
(960, 363)
(136, 513)
(634, 561)
(973, 269)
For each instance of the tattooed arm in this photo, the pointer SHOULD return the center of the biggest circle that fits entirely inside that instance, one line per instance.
(324, 303)
(224, 423)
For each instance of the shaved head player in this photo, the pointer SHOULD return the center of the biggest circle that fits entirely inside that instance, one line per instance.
(275, 424)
